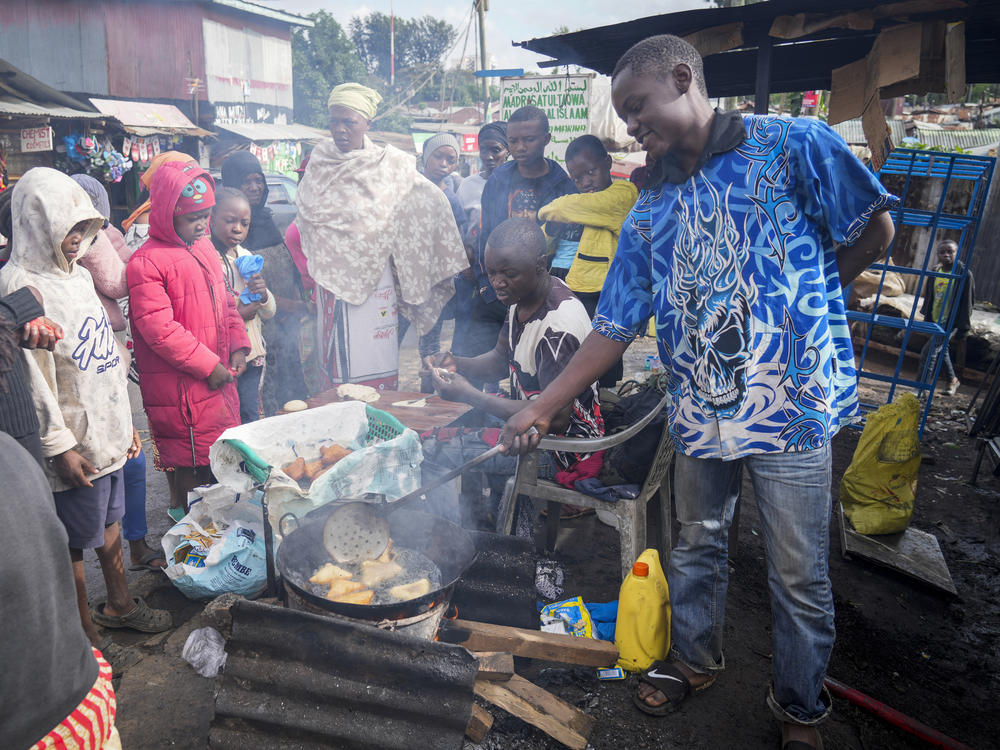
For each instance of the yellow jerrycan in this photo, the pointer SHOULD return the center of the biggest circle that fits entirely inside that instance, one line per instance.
(642, 630)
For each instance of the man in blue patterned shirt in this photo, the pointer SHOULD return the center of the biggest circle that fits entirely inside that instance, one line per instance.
(739, 247)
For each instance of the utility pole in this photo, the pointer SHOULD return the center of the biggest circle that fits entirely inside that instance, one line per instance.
(482, 6)
(392, 46)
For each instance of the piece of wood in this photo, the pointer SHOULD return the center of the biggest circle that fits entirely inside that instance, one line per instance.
(803, 24)
(954, 62)
(479, 724)
(712, 41)
(495, 666)
(569, 649)
(540, 708)
(437, 413)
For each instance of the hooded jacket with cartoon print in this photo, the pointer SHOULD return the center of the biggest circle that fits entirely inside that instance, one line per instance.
(80, 388)
(184, 323)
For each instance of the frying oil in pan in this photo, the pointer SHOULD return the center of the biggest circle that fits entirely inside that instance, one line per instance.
(415, 565)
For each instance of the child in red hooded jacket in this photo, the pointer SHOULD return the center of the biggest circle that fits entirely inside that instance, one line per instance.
(190, 342)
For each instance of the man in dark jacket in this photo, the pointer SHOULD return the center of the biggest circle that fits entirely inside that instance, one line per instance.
(938, 295)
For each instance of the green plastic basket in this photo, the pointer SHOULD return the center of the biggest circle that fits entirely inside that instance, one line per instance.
(382, 426)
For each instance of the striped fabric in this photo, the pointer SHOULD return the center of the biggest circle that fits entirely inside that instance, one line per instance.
(91, 726)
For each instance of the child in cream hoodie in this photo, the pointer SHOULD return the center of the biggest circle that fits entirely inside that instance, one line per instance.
(80, 392)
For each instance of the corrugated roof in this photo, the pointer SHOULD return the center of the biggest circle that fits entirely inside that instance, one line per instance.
(10, 105)
(965, 139)
(147, 118)
(296, 680)
(265, 131)
(263, 11)
(852, 132)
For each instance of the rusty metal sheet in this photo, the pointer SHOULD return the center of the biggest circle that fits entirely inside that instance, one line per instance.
(298, 680)
(147, 118)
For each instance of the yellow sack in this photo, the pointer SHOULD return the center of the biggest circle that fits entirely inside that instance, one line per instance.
(878, 487)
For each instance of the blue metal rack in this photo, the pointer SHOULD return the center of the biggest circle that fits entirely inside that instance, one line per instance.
(949, 169)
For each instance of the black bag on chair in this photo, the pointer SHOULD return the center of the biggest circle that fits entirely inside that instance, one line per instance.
(629, 462)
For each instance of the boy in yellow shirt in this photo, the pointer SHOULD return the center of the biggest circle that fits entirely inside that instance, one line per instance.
(601, 207)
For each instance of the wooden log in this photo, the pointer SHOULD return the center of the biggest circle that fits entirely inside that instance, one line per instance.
(479, 724)
(568, 649)
(540, 708)
(495, 666)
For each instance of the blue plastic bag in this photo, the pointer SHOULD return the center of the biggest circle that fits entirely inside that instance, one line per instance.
(249, 266)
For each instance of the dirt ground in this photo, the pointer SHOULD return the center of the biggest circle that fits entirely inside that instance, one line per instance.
(927, 654)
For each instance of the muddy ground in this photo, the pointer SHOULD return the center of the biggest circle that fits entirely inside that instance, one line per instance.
(927, 654)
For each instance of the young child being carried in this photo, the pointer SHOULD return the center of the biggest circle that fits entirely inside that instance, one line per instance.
(190, 341)
(230, 223)
(601, 207)
(81, 395)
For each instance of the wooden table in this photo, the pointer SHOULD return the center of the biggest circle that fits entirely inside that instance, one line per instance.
(437, 413)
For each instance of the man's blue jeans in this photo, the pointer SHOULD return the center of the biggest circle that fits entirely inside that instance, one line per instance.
(793, 498)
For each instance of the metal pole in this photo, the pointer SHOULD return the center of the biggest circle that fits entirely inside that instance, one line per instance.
(482, 6)
(392, 46)
(763, 89)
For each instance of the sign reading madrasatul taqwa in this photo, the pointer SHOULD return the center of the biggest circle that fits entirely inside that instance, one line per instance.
(565, 100)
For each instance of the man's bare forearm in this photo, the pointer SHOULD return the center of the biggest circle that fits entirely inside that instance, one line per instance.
(870, 247)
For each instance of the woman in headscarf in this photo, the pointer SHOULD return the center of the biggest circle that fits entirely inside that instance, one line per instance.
(282, 380)
(376, 236)
(136, 226)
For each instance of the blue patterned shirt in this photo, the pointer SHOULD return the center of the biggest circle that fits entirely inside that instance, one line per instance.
(738, 266)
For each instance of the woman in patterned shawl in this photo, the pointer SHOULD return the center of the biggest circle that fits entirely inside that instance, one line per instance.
(376, 235)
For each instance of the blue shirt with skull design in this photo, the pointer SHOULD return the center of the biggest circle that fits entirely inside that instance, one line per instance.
(737, 266)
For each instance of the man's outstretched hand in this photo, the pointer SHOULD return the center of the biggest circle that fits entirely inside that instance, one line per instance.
(515, 437)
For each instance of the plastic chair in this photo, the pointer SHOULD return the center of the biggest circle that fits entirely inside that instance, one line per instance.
(630, 514)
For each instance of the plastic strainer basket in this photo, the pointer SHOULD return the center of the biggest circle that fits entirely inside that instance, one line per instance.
(382, 426)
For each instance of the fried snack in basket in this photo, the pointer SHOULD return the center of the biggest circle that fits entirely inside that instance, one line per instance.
(296, 469)
(332, 454)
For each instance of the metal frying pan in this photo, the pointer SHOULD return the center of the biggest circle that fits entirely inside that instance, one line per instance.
(360, 531)
(446, 544)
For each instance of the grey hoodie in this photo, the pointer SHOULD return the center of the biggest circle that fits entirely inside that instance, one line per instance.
(80, 389)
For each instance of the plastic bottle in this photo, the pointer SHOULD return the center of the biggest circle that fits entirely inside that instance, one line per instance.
(642, 630)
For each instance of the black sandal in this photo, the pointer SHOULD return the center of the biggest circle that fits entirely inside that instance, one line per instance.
(667, 677)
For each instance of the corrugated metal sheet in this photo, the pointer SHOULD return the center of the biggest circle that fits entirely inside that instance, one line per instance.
(264, 12)
(950, 139)
(147, 118)
(499, 587)
(299, 680)
(852, 132)
(263, 131)
(62, 43)
(246, 66)
(11, 106)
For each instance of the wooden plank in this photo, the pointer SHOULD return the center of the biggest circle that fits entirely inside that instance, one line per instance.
(954, 62)
(804, 24)
(495, 666)
(569, 649)
(479, 724)
(437, 413)
(540, 708)
(716, 39)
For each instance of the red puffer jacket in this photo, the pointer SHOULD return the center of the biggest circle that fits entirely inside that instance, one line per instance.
(184, 323)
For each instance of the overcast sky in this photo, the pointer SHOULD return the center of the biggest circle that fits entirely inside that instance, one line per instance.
(506, 20)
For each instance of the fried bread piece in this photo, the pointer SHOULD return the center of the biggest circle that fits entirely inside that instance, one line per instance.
(412, 590)
(374, 572)
(357, 597)
(333, 453)
(330, 573)
(296, 469)
(342, 586)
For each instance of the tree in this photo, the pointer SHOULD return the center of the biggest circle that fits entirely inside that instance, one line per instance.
(322, 57)
(420, 44)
